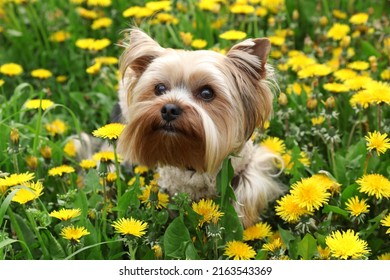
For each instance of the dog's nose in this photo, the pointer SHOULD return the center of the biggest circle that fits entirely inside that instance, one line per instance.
(170, 112)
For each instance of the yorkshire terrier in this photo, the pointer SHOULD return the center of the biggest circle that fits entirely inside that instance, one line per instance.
(186, 111)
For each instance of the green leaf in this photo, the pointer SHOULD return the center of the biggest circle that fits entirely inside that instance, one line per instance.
(81, 202)
(307, 247)
(92, 181)
(224, 178)
(232, 224)
(349, 192)
(368, 49)
(176, 240)
(336, 210)
(286, 236)
(54, 247)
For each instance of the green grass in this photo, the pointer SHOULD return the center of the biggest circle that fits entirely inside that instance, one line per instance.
(83, 102)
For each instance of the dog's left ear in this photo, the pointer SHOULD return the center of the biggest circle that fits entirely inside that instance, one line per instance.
(139, 53)
(251, 56)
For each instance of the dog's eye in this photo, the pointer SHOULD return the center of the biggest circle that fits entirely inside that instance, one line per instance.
(160, 89)
(206, 93)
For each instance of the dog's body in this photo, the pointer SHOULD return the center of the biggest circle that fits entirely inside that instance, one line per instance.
(186, 111)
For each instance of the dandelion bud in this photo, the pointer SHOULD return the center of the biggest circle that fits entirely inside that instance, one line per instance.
(153, 196)
(282, 100)
(295, 15)
(323, 20)
(46, 152)
(345, 41)
(271, 21)
(330, 103)
(311, 103)
(157, 251)
(14, 136)
(32, 162)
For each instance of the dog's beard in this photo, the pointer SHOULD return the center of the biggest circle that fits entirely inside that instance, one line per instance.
(150, 140)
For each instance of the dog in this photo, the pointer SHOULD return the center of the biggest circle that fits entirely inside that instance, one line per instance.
(186, 111)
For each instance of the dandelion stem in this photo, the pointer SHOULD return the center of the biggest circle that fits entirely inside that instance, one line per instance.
(366, 163)
(38, 235)
(379, 115)
(117, 170)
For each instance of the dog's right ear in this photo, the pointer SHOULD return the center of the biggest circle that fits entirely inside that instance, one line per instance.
(139, 53)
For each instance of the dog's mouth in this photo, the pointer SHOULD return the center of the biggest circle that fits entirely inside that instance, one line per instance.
(169, 127)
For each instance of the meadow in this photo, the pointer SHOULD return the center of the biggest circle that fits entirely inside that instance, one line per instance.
(59, 79)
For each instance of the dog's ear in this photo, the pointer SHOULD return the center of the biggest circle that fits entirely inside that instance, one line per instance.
(251, 56)
(139, 53)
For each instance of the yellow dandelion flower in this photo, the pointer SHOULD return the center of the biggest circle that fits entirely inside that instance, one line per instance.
(73, 233)
(289, 209)
(298, 88)
(70, 149)
(274, 144)
(15, 180)
(308, 193)
(41, 73)
(106, 156)
(111, 177)
(208, 210)
(11, 69)
(242, 9)
(61, 170)
(339, 14)
(133, 180)
(336, 87)
(30, 192)
(108, 60)
(1, 82)
(199, 44)
(277, 40)
(324, 253)
(130, 226)
(299, 60)
(314, 70)
(138, 12)
(165, 18)
(59, 36)
(61, 78)
(374, 185)
(140, 169)
(385, 74)
(100, 23)
(257, 232)
(159, 5)
(385, 256)
(345, 245)
(273, 6)
(358, 65)
(32, 162)
(238, 250)
(378, 142)
(317, 120)
(65, 214)
(357, 82)
(386, 223)
(100, 3)
(357, 207)
(87, 164)
(261, 12)
(36, 103)
(56, 127)
(100, 44)
(359, 18)
(344, 74)
(273, 245)
(152, 193)
(338, 31)
(233, 35)
(94, 69)
(110, 131)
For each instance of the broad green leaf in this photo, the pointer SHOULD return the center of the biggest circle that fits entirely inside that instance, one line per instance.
(307, 247)
(176, 239)
(286, 236)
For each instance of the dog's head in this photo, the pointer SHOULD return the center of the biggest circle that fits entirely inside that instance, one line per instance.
(191, 109)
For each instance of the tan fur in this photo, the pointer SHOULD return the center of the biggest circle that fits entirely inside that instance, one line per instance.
(206, 132)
